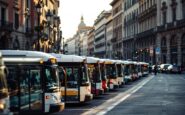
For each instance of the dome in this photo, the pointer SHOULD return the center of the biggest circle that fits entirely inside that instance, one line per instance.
(82, 24)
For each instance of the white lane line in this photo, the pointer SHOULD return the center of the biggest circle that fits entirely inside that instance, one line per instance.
(110, 104)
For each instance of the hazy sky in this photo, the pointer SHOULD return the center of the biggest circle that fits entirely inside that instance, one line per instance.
(71, 11)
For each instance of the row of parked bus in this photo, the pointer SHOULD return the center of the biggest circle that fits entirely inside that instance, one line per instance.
(38, 82)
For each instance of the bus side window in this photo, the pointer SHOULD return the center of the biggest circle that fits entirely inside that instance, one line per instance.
(62, 75)
(12, 81)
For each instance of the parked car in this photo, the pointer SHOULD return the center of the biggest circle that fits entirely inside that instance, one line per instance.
(174, 69)
(164, 67)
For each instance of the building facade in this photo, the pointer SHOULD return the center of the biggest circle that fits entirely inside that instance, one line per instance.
(100, 35)
(70, 46)
(81, 38)
(109, 36)
(117, 12)
(145, 42)
(130, 28)
(90, 42)
(19, 24)
(11, 24)
(171, 32)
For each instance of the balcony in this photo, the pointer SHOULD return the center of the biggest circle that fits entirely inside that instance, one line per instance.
(29, 32)
(4, 2)
(113, 40)
(171, 25)
(161, 28)
(6, 26)
(146, 33)
(16, 4)
(152, 11)
(181, 23)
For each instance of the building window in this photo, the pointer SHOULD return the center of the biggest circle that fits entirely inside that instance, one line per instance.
(174, 5)
(183, 51)
(46, 2)
(16, 21)
(164, 17)
(174, 14)
(173, 49)
(163, 42)
(16, 44)
(183, 9)
(3, 15)
(183, 41)
(164, 12)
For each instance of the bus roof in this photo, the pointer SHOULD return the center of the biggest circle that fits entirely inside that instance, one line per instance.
(119, 62)
(68, 58)
(144, 63)
(109, 61)
(102, 60)
(92, 60)
(127, 62)
(25, 55)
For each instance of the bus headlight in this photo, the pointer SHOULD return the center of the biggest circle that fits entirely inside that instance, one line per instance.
(2, 106)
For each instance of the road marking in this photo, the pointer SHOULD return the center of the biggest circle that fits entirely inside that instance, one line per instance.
(112, 103)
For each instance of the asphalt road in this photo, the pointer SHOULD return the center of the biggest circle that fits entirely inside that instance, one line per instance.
(163, 94)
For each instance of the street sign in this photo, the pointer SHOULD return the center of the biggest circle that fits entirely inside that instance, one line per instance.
(151, 51)
(157, 50)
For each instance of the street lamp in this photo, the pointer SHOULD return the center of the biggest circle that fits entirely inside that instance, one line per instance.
(48, 17)
(39, 10)
(63, 47)
(56, 34)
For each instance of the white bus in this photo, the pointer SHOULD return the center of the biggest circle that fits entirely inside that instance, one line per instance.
(145, 68)
(120, 66)
(76, 88)
(4, 96)
(103, 75)
(112, 76)
(127, 71)
(93, 65)
(33, 82)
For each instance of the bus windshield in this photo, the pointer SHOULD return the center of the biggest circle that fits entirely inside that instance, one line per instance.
(94, 70)
(103, 72)
(51, 79)
(119, 70)
(111, 71)
(145, 68)
(74, 74)
(127, 69)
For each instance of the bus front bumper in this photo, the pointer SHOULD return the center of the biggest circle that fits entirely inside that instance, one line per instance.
(57, 107)
(88, 97)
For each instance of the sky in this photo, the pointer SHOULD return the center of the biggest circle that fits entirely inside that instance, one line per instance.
(70, 12)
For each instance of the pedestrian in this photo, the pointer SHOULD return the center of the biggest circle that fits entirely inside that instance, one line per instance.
(155, 69)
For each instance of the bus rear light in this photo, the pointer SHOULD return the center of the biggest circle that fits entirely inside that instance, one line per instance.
(111, 81)
(47, 97)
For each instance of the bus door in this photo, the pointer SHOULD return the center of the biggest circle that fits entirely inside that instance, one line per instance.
(103, 77)
(71, 91)
(25, 88)
(127, 73)
(120, 74)
(95, 76)
(112, 76)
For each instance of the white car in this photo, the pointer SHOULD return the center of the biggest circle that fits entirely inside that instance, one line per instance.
(164, 67)
(174, 69)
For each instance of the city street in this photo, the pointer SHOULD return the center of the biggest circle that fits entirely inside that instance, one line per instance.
(153, 95)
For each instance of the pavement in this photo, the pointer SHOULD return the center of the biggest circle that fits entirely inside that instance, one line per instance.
(162, 94)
